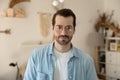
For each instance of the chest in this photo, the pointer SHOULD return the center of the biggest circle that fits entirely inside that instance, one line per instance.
(75, 67)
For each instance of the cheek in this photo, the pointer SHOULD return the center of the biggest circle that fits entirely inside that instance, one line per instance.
(56, 34)
(71, 33)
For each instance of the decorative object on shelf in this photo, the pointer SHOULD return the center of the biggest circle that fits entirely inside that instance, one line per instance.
(58, 4)
(6, 31)
(113, 46)
(10, 12)
(19, 13)
(3, 14)
(14, 12)
(14, 2)
(104, 23)
(18, 76)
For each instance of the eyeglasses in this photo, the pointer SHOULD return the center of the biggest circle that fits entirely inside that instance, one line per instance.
(60, 28)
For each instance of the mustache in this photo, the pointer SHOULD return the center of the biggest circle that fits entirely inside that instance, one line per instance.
(64, 36)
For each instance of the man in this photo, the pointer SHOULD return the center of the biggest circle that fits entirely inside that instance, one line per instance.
(61, 60)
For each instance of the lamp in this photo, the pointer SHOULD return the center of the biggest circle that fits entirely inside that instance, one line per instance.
(61, 1)
(55, 3)
(58, 4)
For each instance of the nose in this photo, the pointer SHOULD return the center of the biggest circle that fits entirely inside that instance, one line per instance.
(64, 31)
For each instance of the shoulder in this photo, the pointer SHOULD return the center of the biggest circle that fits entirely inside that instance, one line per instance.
(82, 55)
(42, 50)
(83, 58)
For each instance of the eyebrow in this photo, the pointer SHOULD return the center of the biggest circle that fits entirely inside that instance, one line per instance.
(62, 25)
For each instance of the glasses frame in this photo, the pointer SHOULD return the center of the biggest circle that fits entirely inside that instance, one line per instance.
(67, 28)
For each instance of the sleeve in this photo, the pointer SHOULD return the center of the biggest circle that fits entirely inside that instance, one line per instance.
(30, 73)
(91, 72)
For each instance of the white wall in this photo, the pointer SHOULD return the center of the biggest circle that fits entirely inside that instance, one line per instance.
(113, 5)
(27, 29)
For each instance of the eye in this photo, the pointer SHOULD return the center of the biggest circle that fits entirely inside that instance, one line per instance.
(59, 27)
(69, 27)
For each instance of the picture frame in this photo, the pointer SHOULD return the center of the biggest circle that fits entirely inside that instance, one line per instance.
(113, 46)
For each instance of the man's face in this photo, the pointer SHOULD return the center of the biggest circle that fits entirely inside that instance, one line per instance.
(63, 29)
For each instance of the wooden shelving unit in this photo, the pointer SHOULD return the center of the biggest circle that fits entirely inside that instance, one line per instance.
(107, 60)
(100, 65)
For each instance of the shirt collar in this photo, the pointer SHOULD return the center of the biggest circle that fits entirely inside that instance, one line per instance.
(74, 50)
(51, 47)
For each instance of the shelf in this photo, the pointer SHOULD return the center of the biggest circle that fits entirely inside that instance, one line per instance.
(33, 43)
(113, 52)
(112, 56)
(102, 62)
(107, 61)
(11, 18)
(112, 38)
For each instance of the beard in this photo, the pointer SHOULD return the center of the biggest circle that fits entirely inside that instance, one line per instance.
(63, 39)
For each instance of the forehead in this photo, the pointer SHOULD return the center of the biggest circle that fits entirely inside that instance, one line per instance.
(64, 20)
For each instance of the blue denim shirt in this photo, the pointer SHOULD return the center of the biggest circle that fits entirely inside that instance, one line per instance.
(41, 65)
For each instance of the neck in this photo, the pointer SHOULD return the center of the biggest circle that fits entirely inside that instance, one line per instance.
(62, 48)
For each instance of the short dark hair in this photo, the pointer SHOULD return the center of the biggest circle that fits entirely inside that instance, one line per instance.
(65, 13)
